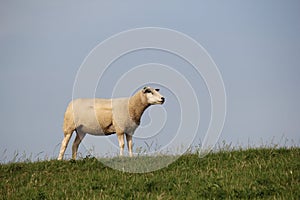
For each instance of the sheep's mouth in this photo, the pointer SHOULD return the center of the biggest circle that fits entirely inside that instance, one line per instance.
(161, 102)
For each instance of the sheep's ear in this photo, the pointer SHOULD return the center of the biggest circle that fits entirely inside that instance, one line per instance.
(157, 90)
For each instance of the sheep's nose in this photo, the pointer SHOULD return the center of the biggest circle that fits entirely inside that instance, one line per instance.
(163, 99)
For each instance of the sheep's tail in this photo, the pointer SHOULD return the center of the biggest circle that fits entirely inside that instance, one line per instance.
(69, 123)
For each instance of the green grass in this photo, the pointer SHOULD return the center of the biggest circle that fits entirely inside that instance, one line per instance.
(241, 174)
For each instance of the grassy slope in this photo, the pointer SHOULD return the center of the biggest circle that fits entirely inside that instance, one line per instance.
(253, 173)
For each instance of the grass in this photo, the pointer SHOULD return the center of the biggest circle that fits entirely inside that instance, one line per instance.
(265, 173)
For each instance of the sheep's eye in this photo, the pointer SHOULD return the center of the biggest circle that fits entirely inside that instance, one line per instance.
(157, 90)
(148, 91)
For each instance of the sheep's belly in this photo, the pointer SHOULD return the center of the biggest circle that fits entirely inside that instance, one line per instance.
(93, 130)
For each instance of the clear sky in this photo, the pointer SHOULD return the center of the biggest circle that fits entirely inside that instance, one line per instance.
(255, 45)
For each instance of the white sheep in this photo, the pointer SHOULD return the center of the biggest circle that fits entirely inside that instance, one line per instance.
(107, 116)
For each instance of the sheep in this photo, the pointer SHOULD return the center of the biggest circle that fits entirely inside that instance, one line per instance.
(103, 117)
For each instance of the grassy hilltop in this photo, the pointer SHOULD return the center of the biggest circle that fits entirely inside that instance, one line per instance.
(247, 174)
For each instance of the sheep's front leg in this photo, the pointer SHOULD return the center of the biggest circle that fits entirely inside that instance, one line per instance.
(121, 143)
(129, 143)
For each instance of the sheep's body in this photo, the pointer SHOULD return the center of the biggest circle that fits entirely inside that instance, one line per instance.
(106, 117)
(95, 116)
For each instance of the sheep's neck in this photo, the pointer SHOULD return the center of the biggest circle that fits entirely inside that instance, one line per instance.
(137, 108)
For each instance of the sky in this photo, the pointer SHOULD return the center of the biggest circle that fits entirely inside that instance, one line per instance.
(254, 44)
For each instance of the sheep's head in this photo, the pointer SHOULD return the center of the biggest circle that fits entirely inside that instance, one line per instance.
(153, 96)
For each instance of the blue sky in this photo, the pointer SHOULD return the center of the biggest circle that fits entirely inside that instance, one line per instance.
(255, 45)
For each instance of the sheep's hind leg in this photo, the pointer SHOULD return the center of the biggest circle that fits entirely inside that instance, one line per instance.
(64, 145)
(77, 141)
